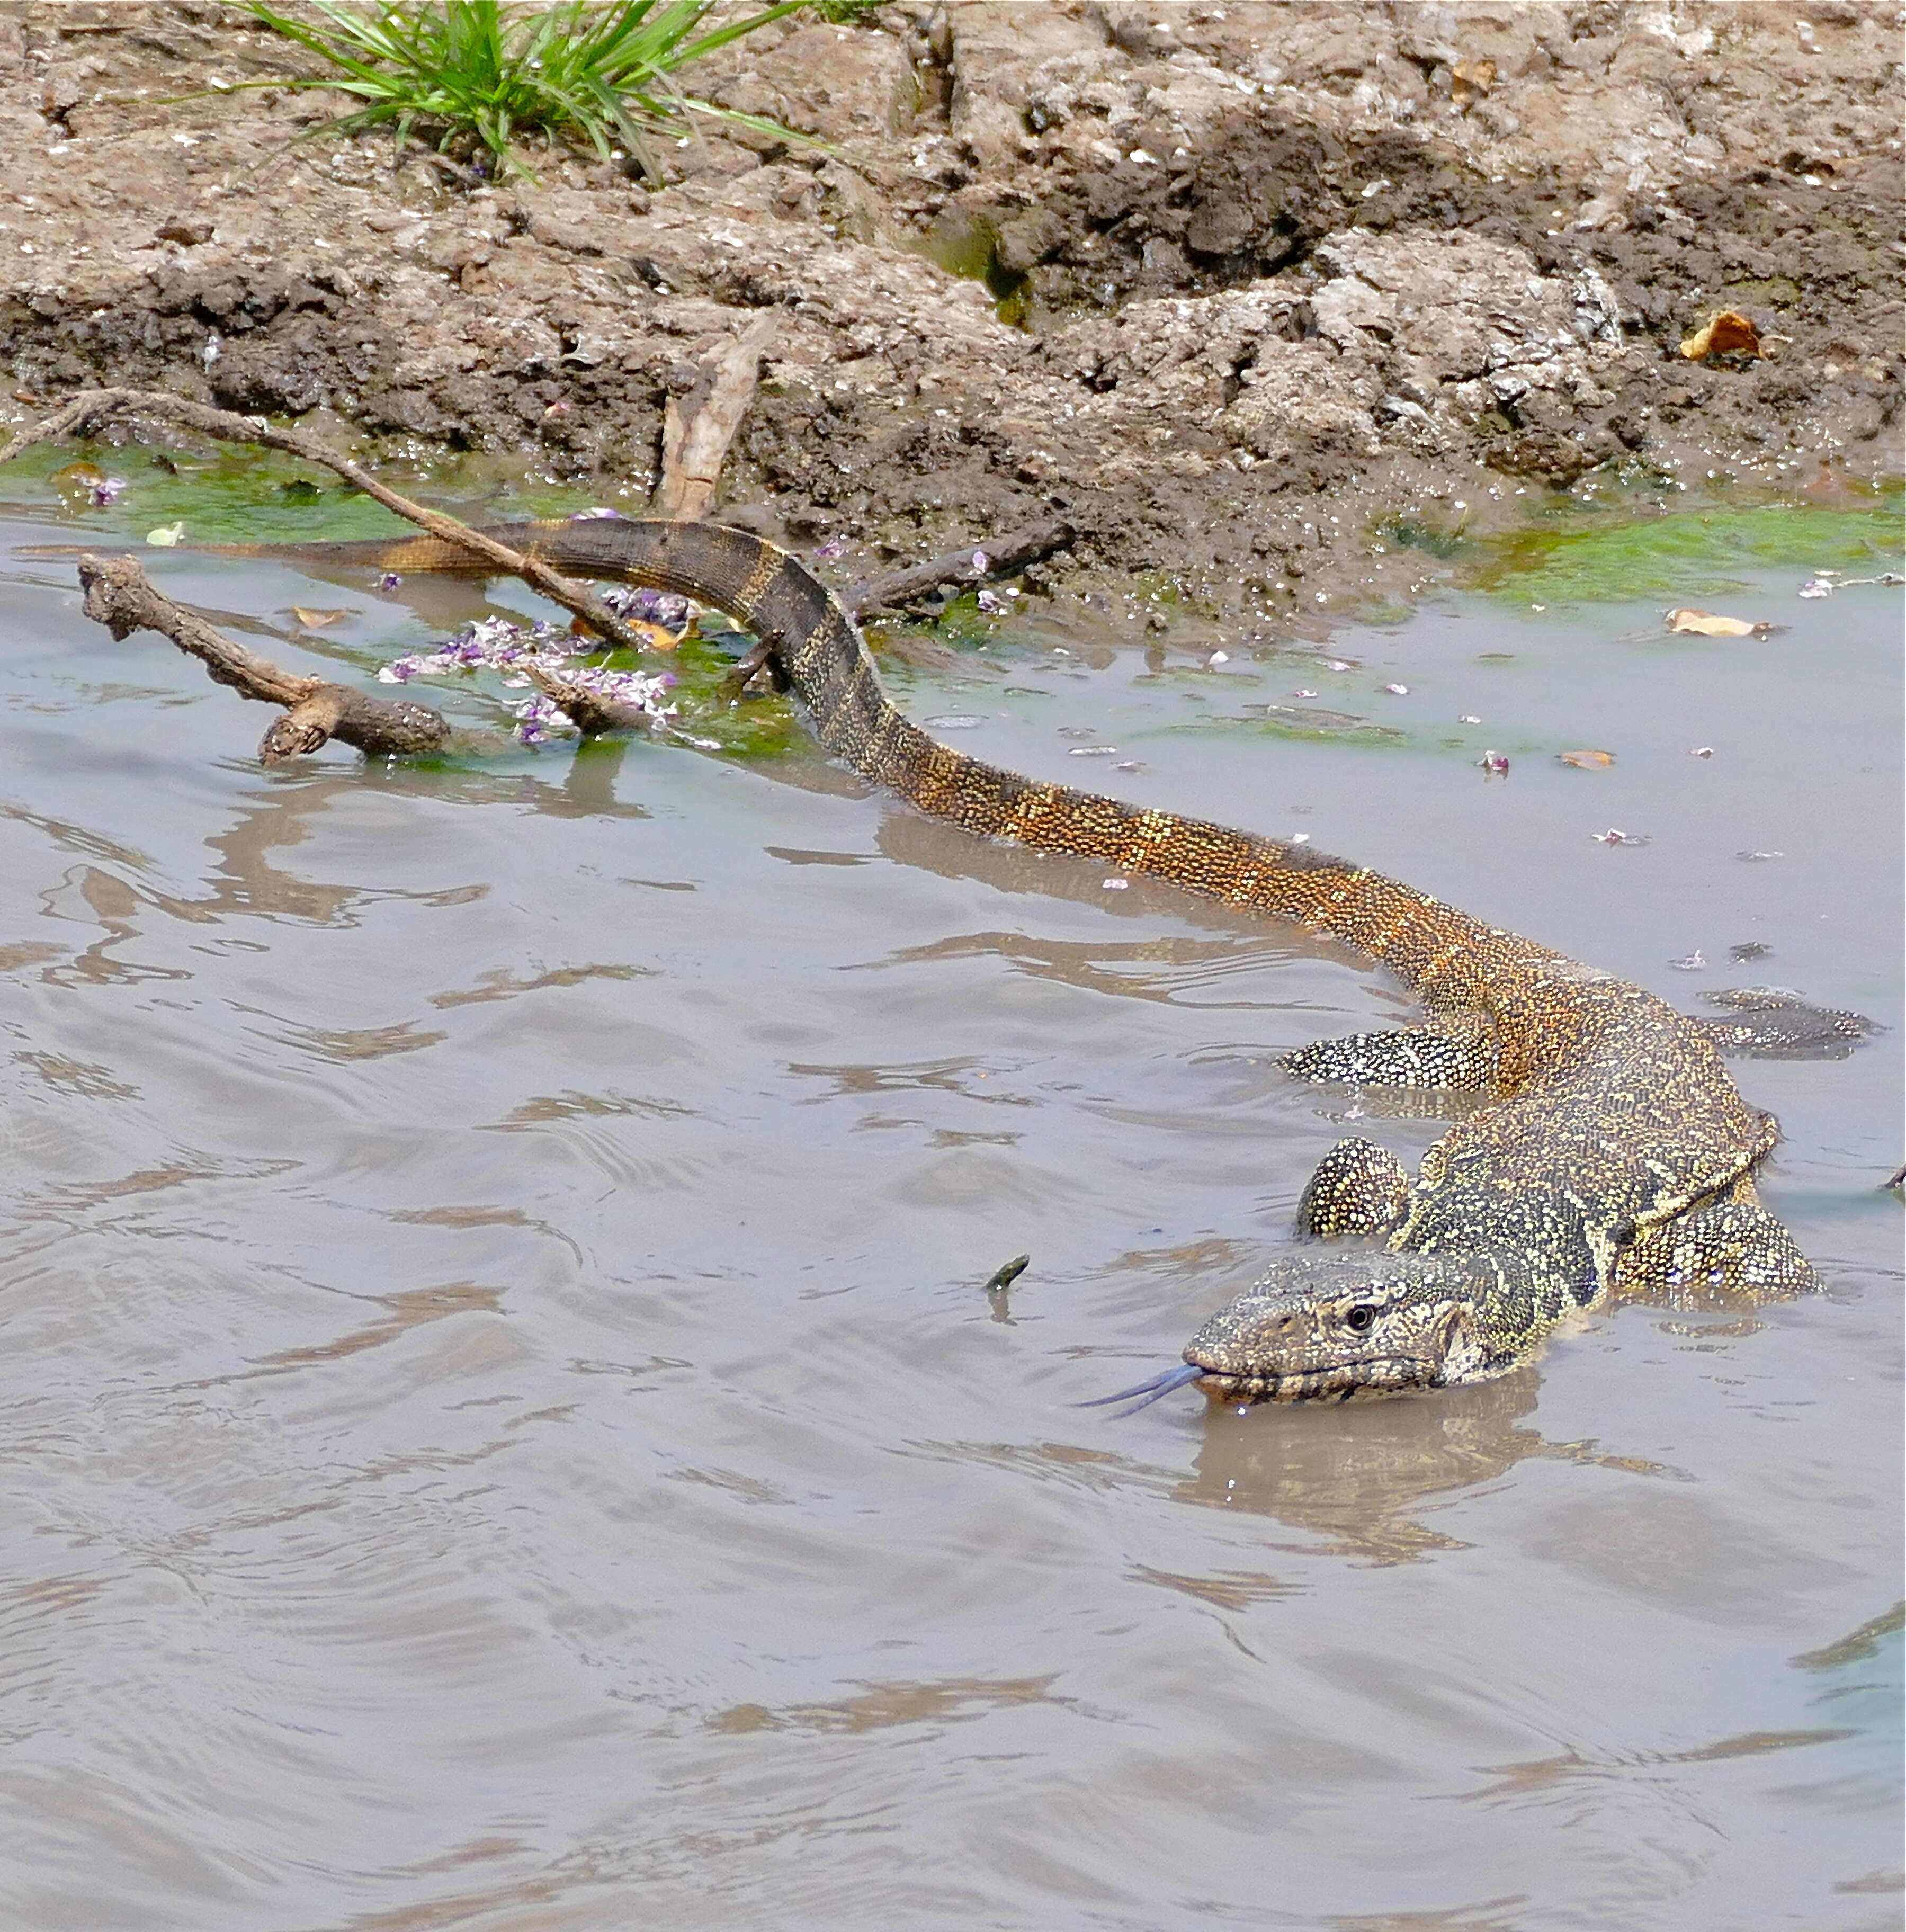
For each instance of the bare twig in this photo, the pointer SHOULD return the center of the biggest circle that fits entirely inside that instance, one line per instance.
(120, 596)
(973, 564)
(698, 427)
(92, 408)
(589, 711)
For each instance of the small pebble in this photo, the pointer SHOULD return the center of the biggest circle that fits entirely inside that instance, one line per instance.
(1116, 885)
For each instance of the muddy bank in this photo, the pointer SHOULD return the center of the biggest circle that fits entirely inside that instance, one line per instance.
(1246, 285)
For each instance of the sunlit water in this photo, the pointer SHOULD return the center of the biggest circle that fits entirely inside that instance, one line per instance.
(503, 1426)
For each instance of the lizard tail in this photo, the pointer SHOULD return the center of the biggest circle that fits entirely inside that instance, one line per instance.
(818, 649)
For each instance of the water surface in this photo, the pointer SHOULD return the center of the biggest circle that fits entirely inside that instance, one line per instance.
(504, 1427)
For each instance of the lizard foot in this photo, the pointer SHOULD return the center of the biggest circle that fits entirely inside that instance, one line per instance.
(1773, 1024)
(1359, 1188)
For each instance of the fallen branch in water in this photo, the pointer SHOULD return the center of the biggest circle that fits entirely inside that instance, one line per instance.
(592, 714)
(973, 564)
(93, 408)
(120, 596)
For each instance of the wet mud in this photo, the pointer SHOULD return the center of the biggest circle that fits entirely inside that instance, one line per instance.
(1235, 289)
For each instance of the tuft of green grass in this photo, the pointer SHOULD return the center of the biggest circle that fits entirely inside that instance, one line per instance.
(846, 13)
(488, 72)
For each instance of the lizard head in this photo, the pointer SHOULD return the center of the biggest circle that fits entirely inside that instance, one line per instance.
(1329, 1327)
(1333, 1326)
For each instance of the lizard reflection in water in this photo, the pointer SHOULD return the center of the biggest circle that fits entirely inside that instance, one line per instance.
(1612, 1151)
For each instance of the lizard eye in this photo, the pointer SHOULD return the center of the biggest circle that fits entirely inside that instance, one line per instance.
(1360, 1319)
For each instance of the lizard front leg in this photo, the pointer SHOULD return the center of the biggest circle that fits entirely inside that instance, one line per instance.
(1451, 1059)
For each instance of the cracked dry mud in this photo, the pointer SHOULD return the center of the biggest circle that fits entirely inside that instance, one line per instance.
(1272, 275)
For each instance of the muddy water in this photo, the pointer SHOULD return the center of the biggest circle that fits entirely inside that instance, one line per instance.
(503, 1429)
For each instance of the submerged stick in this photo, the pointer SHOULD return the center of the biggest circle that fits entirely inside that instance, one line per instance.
(92, 408)
(973, 564)
(120, 595)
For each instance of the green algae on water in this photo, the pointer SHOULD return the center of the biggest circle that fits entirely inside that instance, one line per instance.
(1689, 553)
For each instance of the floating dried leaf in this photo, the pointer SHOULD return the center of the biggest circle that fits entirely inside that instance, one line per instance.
(1586, 761)
(657, 637)
(1695, 962)
(1705, 624)
(167, 536)
(79, 482)
(1730, 333)
(316, 620)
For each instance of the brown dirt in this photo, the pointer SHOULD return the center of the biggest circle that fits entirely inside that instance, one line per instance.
(1290, 270)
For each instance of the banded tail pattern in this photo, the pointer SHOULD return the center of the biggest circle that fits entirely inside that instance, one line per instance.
(1433, 949)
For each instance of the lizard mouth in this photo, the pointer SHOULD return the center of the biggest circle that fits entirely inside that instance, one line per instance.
(1373, 1375)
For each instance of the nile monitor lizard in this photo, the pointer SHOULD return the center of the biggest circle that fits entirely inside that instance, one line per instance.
(1612, 1150)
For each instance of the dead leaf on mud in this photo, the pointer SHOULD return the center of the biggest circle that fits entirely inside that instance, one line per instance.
(316, 620)
(1730, 333)
(1706, 624)
(1470, 80)
(1586, 761)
